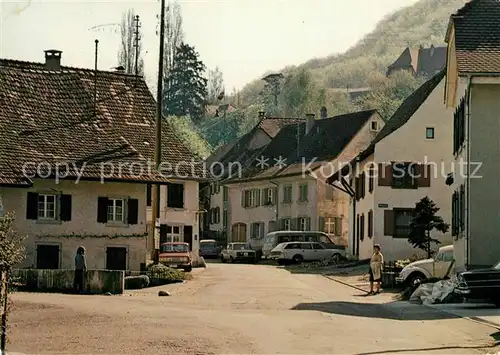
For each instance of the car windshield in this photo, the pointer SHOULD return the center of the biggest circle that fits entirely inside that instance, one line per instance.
(175, 248)
(241, 246)
(207, 245)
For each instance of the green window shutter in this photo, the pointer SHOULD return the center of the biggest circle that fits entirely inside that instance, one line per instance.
(243, 198)
(308, 223)
(338, 226)
(321, 224)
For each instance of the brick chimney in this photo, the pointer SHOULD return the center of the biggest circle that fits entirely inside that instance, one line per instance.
(53, 59)
(309, 122)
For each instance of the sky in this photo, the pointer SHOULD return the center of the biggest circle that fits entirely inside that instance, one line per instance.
(244, 38)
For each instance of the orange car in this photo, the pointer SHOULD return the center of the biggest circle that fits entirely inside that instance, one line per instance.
(176, 256)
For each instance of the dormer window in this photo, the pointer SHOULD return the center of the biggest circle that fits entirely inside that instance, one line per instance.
(374, 126)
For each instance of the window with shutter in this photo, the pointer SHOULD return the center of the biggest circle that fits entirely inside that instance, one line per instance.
(132, 211)
(329, 225)
(302, 223)
(115, 210)
(454, 214)
(102, 209)
(287, 194)
(65, 208)
(303, 192)
(389, 222)
(338, 226)
(175, 195)
(371, 178)
(287, 224)
(404, 176)
(46, 206)
(461, 198)
(402, 220)
(370, 224)
(32, 205)
(362, 227)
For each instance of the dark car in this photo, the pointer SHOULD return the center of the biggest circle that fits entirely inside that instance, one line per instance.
(480, 284)
(209, 249)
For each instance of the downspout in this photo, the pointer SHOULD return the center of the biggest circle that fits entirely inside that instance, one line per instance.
(277, 199)
(467, 205)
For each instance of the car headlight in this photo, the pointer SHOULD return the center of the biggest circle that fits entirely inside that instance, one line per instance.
(461, 281)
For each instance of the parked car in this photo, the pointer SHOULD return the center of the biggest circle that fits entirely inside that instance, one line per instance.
(176, 256)
(420, 270)
(480, 284)
(304, 251)
(238, 252)
(209, 249)
(272, 239)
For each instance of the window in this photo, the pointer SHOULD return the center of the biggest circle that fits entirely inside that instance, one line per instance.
(293, 246)
(360, 186)
(175, 195)
(458, 212)
(374, 125)
(257, 230)
(287, 194)
(403, 175)
(304, 223)
(225, 192)
(429, 133)
(268, 196)
(362, 227)
(371, 179)
(251, 198)
(149, 193)
(286, 224)
(329, 227)
(306, 246)
(303, 193)
(402, 221)
(317, 246)
(174, 234)
(115, 210)
(46, 206)
(445, 256)
(459, 126)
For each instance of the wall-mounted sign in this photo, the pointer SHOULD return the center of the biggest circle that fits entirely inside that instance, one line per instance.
(383, 205)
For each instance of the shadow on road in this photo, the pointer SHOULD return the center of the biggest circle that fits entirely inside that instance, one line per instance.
(397, 310)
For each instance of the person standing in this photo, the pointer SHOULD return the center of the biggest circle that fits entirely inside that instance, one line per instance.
(80, 268)
(376, 265)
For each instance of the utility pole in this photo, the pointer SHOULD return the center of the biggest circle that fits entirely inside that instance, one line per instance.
(136, 44)
(155, 193)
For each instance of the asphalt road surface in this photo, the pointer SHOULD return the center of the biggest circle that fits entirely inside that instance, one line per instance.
(239, 309)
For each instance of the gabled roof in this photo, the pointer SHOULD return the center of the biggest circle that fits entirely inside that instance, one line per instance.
(402, 115)
(408, 58)
(431, 60)
(272, 125)
(477, 36)
(47, 116)
(324, 142)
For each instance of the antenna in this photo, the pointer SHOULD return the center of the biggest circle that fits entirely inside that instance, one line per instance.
(136, 45)
(95, 78)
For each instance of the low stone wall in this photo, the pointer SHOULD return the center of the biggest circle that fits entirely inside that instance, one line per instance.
(96, 281)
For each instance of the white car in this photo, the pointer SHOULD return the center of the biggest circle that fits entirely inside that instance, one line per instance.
(298, 252)
(238, 252)
(420, 270)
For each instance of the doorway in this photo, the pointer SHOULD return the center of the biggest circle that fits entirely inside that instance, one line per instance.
(116, 258)
(188, 236)
(47, 256)
(239, 233)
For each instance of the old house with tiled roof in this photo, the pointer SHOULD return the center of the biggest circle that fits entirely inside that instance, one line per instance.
(235, 158)
(284, 187)
(76, 157)
(420, 61)
(408, 160)
(473, 92)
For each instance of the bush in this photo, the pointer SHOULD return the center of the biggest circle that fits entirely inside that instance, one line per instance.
(136, 282)
(160, 274)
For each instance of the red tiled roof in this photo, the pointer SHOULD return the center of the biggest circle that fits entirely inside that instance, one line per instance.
(48, 117)
(477, 36)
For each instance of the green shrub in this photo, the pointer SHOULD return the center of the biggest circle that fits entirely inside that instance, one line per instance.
(136, 282)
(160, 274)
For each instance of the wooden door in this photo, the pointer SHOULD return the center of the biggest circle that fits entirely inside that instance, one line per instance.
(239, 233)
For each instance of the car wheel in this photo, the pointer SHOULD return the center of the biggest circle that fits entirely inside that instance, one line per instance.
(188, 269)
(297, 258)
(415, 279)
(336, 258)
(231, 259)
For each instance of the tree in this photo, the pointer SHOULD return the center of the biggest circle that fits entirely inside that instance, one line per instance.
(174, 36)
(187, 88)
(127, 51)
(11, 244)
(215, 86)
(424, 222)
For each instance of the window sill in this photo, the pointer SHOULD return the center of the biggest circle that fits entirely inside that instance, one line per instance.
(117, 225)
(48, 221)
(302, 202)
(404, 187)
(177, 209)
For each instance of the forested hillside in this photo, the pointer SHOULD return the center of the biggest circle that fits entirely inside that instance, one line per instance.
(307, 87)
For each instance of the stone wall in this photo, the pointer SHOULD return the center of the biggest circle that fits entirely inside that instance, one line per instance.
(96, 281)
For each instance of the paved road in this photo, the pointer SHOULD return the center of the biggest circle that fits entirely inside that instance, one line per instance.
(239, 309)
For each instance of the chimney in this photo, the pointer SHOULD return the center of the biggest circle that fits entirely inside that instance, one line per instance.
(262, 114)
(432, 50)
(324, 112)
(53, 59)
(309, 122)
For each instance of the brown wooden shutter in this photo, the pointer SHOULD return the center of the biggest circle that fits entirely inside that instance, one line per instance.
(275, 196)
(243, 192)
(257, 198)
(454, 214)
(338, 226)
(357, 190)
(102, 210)
(423, 175)
(362, 226)
(65, 208)
(461, 198)
(308, 223)
(133, 211)
(149, 189)
(321, 224)
(384, 174)
(389, 222)
(32, 206)
(370, 224)
(363, 184)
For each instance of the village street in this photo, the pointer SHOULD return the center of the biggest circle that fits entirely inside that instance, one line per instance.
(239, 309)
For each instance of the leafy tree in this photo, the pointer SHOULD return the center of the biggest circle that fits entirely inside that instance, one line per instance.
(424, 222)
(11, 243)
(127, 51)
(174, 36)
(215, 86)
(188, 133)
(186, 92)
